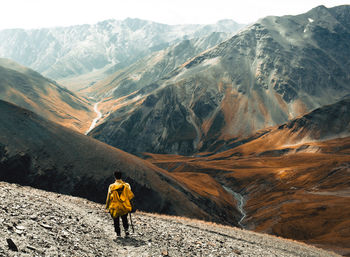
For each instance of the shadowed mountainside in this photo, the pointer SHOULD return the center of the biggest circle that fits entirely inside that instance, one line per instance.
(294, 178)
(43, 154)
(273, 71)
(28, 89)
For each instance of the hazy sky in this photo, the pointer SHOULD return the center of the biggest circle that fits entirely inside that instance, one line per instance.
(50, 13)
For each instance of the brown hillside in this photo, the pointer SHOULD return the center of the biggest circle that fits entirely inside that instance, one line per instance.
(43, 154)
(303, 195)
(28, 89)
(295, 183)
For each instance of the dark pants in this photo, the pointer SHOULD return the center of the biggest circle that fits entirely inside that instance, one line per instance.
(125, 224)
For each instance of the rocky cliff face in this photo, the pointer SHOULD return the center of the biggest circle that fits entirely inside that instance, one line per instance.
(43, 154)
(39, 223)
(65, 53)
(28, 89)
(273, 71)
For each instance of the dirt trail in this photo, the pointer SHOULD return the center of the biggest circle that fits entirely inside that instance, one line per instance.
(41, 223)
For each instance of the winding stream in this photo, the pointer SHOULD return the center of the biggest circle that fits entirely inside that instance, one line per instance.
(94, 122)
(241, 201)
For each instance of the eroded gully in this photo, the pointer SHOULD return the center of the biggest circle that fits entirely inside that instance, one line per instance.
(241, 202)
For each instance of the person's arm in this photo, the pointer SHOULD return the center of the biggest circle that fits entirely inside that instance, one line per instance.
(131, 197)
(130, 194)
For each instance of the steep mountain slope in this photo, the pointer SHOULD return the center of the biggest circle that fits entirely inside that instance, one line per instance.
(123, 84)
(293, 180)
(28, 89)
(152, 67)
(43, 154)
(65, 53)
(325, 123)
(273, 71)
(48, 224)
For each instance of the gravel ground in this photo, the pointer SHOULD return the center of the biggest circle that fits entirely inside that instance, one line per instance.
(40, 223)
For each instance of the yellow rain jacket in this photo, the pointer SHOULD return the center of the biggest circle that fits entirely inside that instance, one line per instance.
(118, 198)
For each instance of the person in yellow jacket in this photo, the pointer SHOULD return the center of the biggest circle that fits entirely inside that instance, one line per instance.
(119, 202)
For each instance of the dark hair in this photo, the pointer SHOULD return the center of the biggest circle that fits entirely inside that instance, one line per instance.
(117, 174)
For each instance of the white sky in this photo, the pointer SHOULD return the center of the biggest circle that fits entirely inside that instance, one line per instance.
(49, 13)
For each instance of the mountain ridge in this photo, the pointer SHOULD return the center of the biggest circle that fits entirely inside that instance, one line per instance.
(268, 73)
(66, 52)
(29, 89)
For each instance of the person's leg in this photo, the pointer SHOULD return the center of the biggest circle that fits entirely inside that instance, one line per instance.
(125, 224)
(116, 225)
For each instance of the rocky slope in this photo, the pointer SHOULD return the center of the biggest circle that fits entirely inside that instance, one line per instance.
(151, 68)
(291, 180)
(47, 224)
(28, 89)
(66, 53)
(43, 154)
(325, 123)
(275, 70)
(129, 82)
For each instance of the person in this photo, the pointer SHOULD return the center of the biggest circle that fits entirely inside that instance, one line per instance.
(118, 203)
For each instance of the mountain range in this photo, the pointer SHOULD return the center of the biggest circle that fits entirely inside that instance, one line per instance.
(152, 67)
(247, 128)
(272, 71)
(79, 53)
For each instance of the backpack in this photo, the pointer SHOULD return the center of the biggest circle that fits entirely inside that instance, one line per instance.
(120, 196)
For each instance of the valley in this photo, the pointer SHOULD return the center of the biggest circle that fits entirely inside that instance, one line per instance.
(290, 180)
(302, 195)
(242, 126)
(43, 154)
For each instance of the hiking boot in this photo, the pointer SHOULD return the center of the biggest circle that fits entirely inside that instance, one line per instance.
(127, 234)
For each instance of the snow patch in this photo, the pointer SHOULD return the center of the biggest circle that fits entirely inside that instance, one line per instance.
(310, 20)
